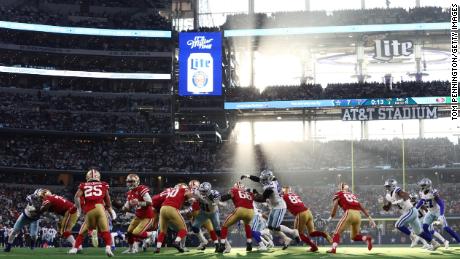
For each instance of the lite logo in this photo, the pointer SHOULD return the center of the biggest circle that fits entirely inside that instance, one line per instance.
(385, 50)
(200, 76)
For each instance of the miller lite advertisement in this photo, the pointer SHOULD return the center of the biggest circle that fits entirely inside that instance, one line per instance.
(200, 63)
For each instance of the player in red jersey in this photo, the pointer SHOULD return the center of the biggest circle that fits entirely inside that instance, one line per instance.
(170, 215)
(157, 202)
(303, 218)
(350, 218)
(138, 197)
(244, 210)
(95, 195)
(62, 207)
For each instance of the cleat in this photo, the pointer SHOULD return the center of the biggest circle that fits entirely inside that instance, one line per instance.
(73, 251)
(217, 250)
(287, 242)
(7, 248)
(128, 251)
(313, 249)
(108, 251)
(435, 245)
(446, 244)
(227, 250)
(220, 248)
(426, 246)
(262, 247)
(331, 251)
(156, 251)
(248, 247)
(369, 243)
(202, 246)
(177, 246)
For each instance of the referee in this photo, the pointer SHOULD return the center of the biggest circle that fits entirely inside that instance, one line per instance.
(321, 225)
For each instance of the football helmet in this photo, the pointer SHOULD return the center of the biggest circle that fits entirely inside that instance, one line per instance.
(287, 189)
(132, 181)
(42, 193)
(390, 184)
(266, 176)
(425, 185)
(239, 185)
(93, 175)
(181, 186)
(205, 188)
(413, 197)
(344, 187)
(194, 184)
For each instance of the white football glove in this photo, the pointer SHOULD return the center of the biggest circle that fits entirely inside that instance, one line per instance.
(442, 220)
(329, 219)
(113, 215)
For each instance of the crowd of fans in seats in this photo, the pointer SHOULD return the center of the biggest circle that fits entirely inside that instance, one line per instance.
(58, 61)
(79, 84)
(86, 122)
(340, 17)
(71, 101)
(339, 91)
(149, 19)
(66, 153)
(69, 41)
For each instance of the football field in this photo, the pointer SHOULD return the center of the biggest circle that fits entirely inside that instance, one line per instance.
(294, 252)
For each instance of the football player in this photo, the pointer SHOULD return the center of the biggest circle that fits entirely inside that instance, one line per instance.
(395, 196)
(193, 211)
(61, 207)
(421, 213)
(244, 210)
(351, 217)
(209, 210)
(435, 205)
(170, 215)
(95, 195)
(303, 218)
(272, 193)
(138, 197)
(30, 216)
(260, 233)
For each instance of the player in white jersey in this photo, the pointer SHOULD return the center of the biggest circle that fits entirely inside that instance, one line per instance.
(259, 231)
(272, 193)
(435, 205)
(30, 216)
(209, 209)
(421, 214)
(400, 199)
(51, 236)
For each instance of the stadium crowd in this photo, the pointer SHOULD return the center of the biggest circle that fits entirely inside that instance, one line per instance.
(340, 91)
(147, 155)
(339, 17)
(87, 42)
(85, 84)
(85, 62)
(73, 17)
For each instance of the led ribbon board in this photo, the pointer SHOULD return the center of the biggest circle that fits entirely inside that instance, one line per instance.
(71, 73)
(85, 31)
(338, 29)
(200, 63)
(331, 103)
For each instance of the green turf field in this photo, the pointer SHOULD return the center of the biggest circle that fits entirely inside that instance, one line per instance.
(293, 252)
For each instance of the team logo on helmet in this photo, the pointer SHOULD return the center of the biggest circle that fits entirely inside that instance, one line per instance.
(390, 184)
(287, 189)
(239, 185)
(132, 181)
(194, 184)
(93, 175)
